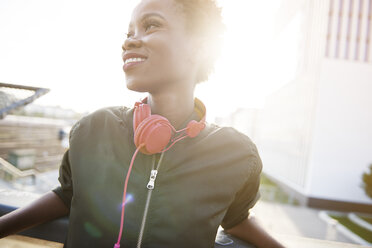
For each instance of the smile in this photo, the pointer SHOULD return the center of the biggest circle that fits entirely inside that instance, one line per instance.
(133, 60)
(132, 63)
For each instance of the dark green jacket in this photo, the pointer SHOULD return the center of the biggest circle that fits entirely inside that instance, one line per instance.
(203, 182)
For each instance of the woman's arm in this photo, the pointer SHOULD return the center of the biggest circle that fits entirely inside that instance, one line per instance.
(249, 230)
(46, 208)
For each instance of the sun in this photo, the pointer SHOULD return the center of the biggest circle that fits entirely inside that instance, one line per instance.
(250, 66)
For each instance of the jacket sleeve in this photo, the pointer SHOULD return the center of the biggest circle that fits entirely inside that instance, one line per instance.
(247, 195)
(65, 190)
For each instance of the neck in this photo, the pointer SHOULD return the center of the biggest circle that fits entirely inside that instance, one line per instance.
(176, 107)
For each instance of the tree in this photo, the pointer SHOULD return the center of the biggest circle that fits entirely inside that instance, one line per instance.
(367, 181)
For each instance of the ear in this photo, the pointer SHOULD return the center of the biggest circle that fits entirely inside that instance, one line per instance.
(199, 50)
(198, 55)
(203, 48)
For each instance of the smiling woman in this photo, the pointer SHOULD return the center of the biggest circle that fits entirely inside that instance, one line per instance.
(184, 177)
(153, 36)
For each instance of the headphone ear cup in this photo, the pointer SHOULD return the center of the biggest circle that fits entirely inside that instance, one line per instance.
(141, 112)
(154, 132)
(194, 128)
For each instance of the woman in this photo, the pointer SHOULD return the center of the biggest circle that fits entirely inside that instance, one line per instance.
(178, 186)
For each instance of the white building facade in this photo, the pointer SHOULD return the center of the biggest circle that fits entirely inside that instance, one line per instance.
(315, 134)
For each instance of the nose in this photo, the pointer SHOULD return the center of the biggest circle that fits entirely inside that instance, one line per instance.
(131, 43)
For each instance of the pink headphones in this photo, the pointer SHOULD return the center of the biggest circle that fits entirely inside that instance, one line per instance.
(152, 134)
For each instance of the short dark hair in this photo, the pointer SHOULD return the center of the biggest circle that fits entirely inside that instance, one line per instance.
(204, 20)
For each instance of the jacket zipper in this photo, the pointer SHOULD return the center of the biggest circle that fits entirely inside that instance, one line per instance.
(150, 186)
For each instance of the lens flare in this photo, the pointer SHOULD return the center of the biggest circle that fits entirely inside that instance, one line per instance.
(92, 230)
(128, 199)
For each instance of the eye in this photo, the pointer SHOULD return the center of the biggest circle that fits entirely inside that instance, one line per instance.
(151, 25)
(148, 27)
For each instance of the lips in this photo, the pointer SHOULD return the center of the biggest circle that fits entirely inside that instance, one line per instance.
(132, 60)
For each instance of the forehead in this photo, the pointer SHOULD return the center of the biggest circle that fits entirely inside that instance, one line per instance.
(168, 9)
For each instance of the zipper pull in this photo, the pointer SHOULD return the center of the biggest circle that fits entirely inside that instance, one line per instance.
(151, 183)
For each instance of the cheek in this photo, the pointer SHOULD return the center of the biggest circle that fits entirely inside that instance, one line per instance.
(170, 60)
(169, 55)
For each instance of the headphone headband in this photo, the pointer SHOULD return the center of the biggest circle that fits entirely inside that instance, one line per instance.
(200, 109)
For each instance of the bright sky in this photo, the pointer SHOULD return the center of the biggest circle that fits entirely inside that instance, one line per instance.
(74, 48)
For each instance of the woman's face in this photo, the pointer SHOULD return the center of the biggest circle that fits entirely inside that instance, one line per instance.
(159, 51)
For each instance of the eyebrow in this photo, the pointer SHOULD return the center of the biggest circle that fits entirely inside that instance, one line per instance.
(151, 14)
(145, 16)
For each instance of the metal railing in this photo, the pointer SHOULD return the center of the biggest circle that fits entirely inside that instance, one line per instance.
(22, 102)
(15, 172)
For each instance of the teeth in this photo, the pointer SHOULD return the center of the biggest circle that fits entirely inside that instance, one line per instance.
(132, 60)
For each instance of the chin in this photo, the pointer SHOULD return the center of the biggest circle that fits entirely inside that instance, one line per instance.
(136, 86)
(133, 88)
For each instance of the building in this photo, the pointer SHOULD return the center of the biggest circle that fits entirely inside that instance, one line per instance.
(30, 144)
(244, 119)
(315, 133)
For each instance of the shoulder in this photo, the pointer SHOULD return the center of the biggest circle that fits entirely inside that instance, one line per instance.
(238, 146)
(101, 118)
(231, 136)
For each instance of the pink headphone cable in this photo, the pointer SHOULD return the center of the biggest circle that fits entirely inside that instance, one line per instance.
(117, 245)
